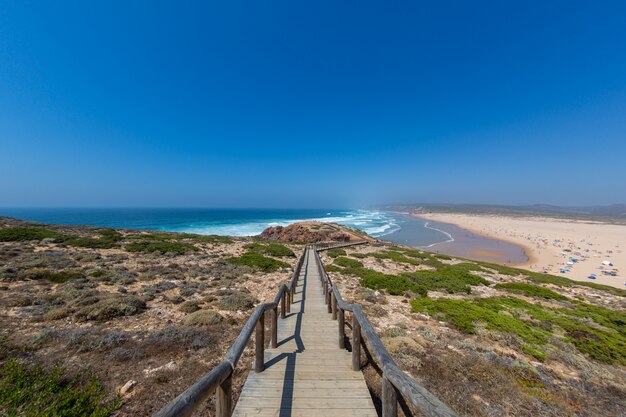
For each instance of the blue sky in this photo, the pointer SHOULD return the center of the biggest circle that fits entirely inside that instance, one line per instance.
(307, 104)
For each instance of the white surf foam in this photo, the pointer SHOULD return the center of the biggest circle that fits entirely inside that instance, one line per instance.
(450, 238)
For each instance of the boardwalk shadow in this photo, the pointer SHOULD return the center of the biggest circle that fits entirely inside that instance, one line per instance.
(286, 400)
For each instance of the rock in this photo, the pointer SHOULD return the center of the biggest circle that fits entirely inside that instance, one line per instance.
(127, 387)
(170, 366)
(312, 232)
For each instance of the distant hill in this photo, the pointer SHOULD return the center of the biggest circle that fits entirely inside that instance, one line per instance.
(611, 213)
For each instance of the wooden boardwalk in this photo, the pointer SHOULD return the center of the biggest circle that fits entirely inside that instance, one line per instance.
(307, 375)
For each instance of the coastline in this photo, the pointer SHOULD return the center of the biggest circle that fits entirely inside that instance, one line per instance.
(466, 243)
(570, 248)
(525, 248)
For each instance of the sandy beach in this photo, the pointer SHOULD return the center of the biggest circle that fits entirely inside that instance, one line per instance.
(573, 249)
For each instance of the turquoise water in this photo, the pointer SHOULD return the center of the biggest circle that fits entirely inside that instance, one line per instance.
(236, 222)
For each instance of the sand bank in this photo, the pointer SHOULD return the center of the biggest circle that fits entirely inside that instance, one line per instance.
(552, 243)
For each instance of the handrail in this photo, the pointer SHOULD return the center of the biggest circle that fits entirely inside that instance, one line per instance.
(219, 379)
(394, 380)
(334, 245)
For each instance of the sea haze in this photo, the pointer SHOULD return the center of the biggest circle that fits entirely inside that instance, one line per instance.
(237, 222)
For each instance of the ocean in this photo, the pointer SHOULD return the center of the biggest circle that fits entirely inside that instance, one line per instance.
(239, 222)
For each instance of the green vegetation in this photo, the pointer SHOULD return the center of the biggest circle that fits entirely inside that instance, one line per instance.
(109, 238)
(258, 261)
(236, 300)
(203, 318)
(393, 284)
(272, 249)
(531, 290)
(551, 279)
(538, 354)
(52, 276)
(407, 256)
(333, 253)
(38, 392)
(464, 314)
(534, 323)
(394, 256)
(23, 234)
(450, 278)
(213, 239)
(178, 248)
(168, 236)
(333, 268)
(347, 262)
(107, 307)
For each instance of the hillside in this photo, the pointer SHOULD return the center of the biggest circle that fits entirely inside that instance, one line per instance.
(490, 340)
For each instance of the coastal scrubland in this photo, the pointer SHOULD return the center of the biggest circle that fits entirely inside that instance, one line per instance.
(118, 322)
(105, 322)
(487, 339)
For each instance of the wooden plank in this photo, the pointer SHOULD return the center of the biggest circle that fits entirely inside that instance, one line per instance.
(307, 375)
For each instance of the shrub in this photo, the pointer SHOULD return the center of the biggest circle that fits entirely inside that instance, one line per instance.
(35, 391)
(52, 276)
(450, 278)
(213, 239)
(332, 268)
(272, 249)
(463, 314)
(178, 248)
(23, 234)
(333, 253)
(394, 256)
(503, 314)
(107, 307)
(531, 290)
(203, 318)
(258, 261)
(394, 284)
(189, 307)
(347, 262)
(237, 300)
(538, 354)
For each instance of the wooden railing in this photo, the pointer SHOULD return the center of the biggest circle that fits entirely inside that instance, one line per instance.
(394, 381)
(333, 245)
(219, 379)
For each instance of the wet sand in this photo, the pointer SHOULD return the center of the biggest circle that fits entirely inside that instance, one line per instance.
(467, 244)
(454, 241)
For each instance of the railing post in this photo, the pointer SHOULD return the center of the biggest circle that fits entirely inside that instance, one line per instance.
(389, 399)
(224, 396)
(288, 295)
(356, 343)
(342, 334)
(329, 303)
(274, 328)
(259, 359)
(282, 305)
(333, 300)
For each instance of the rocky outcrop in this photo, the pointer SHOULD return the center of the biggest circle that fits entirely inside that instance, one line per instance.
(311, 232)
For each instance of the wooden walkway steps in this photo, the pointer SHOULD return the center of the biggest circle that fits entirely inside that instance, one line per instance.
(307, 374)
